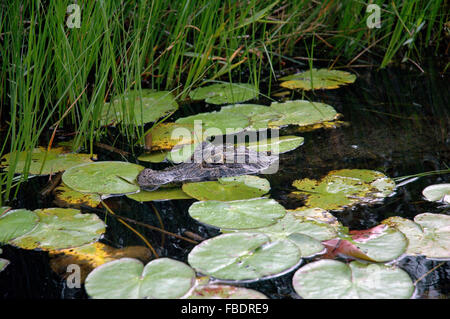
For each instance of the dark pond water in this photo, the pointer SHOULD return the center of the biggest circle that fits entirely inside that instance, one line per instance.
(399, 124)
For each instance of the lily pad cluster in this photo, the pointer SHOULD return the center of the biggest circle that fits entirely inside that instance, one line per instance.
(344, 188)
(317, 79)
(138, 107)
(50, 228)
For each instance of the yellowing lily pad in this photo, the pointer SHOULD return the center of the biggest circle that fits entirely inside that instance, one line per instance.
(301, 113)
(127, 278)
(244, 257)
(212, 291)
(238, 214)
(332, 279)
(428, 234)
(138, 108)
(225, 93)
(228, 188)
(67, 197)
(44, 162)
(61, 228)
(16, 223)
(344, 188)
(90, 256)
(103, 177)
(167, 135)
(159, 195)
(437, 193)
(317, 79)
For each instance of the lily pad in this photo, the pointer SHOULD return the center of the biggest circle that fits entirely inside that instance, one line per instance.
(344, 188)
(332, 279)
(228, 188)
(217, 123)
(103, 177)
(3, 263)
(167, 135)
(138, 108)
(428, 234)
(127, 278)
(44, 162)
(259, 115)
(154, 157)
(279, 145)
(61, 228)
(317, 79)
(225, 93)
(93, 255)
(301, 113)
(67, 197)
(244, 257)
(238, 214)
(212, 291)
(378, 244)
(159, 195)
(16, 223)
(437, 193)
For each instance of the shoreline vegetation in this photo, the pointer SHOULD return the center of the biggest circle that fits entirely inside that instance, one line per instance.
(56, 77)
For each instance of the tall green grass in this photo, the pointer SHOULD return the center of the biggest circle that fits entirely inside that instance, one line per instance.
(54, 76)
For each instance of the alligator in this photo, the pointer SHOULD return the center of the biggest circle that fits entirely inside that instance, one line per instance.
(209, 162)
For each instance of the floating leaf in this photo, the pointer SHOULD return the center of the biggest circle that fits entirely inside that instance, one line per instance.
(103, 177)
(217, 123)
(181, 154)
(225, 93)
(159, 195)
(3, 262)
(344, 188)
(16, 223)
(437, 193)
(317, 79)
(90, 256)
(259, 116)
(138, 108)
(61, 228)
(332, 279)
(212, 291)
(428, 234)
(377, 244)
(302, 113)
(127, 278)
(44, 162)
(228, 188)
(243, 257)
(238, 214)
(279, 145)
(167, 135)
(154, 157)
(67, 197)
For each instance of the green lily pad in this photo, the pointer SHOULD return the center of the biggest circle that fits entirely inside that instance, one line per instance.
(332, 279)
(166, 136)
(344, 188)
(428, 234)
(279, 145)
(378, 244)
(159, 195)
(103, 177)
(3, 262)
(238, 214)
(229, 188)
(181, 154)
(259, 115)
(217, 123)
(154, 157)
(212, 291)
(127, 278)
(138, 108)
(67, 197)
(44, 162)
(437, 193)
(243, 257)
(317, 79)
(16, 223)
(61, 228)
(225, 93)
